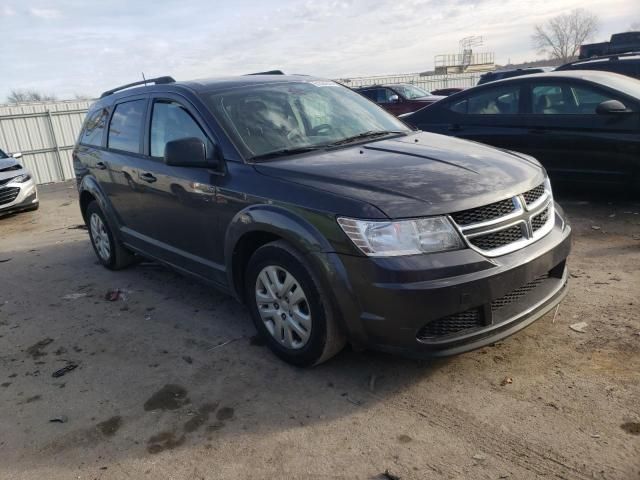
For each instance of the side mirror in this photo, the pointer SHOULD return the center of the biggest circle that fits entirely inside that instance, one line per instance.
(394, 99)
(17, 155)
(611, 106)
(187, 152)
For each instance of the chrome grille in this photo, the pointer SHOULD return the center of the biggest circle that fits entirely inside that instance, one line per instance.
(8, 195)
(451, 324)
(482, 214)
(508, 225)
(539, 220)
(517, 294)
(534, 194)
(498, 239)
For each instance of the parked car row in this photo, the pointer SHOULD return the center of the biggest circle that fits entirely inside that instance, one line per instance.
(405, 98)
(583, 126)
(18, 189)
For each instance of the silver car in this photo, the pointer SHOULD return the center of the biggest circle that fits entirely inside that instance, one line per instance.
(17, 186)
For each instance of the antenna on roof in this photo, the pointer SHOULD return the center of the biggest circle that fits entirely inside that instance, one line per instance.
(144, 79)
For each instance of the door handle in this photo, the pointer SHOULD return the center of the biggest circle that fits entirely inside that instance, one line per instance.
(455, 127)
(148, 177)
(101, 166)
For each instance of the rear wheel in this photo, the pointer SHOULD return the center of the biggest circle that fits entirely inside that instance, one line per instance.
(289, 307)
(109, 251)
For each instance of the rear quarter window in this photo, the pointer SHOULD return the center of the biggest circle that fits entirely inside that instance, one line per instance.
(94, 127)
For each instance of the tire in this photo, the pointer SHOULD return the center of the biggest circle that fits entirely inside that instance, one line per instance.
(321, 337)
(115, 256)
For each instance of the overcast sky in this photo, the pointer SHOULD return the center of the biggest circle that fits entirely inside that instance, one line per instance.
(69, 47)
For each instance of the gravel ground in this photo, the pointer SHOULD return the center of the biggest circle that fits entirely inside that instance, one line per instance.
(171, 383)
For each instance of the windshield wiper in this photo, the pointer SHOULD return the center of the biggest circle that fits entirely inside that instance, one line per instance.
(363, 135)
(285, 152)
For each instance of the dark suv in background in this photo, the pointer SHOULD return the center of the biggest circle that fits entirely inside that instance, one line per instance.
(327, 216)
(625, 64)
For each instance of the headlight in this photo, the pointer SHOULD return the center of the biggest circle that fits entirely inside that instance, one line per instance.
(405, 237)
(21, 178)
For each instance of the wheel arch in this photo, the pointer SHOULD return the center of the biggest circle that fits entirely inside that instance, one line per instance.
(89, 191)
(261, 224)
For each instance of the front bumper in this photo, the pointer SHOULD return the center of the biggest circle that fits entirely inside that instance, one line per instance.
(450, 302)
(15, 196)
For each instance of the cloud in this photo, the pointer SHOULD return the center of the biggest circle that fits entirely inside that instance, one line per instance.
(7, 11)
(91, 47)
(45, 13)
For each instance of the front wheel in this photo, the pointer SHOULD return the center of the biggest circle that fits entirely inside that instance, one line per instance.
(109, 251)
(289, 307)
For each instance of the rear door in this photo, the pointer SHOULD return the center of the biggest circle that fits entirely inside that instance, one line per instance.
(575, 143)
(117, 168)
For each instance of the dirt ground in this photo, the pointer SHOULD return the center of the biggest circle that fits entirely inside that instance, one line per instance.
(171, 383)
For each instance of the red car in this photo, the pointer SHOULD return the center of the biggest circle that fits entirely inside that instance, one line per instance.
(399, 98)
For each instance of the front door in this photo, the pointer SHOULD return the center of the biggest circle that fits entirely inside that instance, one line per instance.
(575, 143)
(179, 203)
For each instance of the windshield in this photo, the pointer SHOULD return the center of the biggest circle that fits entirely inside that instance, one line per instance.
(628, 85)
(411, 91)
(290, 116)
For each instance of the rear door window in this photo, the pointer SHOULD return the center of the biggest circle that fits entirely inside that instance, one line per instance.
(125, 130)
(503, 100)
(94, 128)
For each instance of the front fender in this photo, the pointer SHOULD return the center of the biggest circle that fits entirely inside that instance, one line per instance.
(288, 224)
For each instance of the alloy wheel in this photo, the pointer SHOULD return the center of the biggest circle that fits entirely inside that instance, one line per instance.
(283, 307)
(100, 237)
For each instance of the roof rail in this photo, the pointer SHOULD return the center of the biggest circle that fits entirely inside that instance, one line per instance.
(270, 72)
(156, 81)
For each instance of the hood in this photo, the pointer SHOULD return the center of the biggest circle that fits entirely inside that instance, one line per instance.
(415, 175)
(10, 167)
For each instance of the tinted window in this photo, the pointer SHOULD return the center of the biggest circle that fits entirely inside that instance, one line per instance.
(171, 121)
(384, 95)
(126, 126)
(370, 94)
(496, 101)
(563, 99)
(94, 128)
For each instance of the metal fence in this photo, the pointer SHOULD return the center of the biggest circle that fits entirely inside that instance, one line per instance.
(428, 82)
(45, 134)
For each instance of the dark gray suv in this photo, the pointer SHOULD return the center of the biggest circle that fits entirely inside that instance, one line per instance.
(327, 216)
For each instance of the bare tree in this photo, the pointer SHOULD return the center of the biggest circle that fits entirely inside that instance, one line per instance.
(562, 36)
(18, 96)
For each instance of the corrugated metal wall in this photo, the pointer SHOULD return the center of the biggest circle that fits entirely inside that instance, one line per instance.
(45, 134)
(428, 82)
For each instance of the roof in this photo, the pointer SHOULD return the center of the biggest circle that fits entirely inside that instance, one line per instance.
(207, 84)
(616, 81)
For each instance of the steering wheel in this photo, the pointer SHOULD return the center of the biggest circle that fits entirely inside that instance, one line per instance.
(295, 135)
(322, 129)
